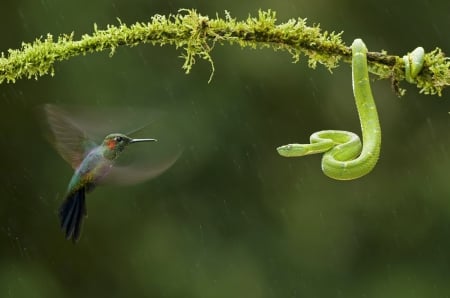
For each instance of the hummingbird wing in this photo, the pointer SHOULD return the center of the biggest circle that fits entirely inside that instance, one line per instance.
(68, 138)
(137, 172)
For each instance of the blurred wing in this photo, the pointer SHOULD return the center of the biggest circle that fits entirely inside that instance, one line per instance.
(99, 121)
(67, 137)
(133, 174)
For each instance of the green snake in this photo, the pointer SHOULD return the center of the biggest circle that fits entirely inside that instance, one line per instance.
(344, 157)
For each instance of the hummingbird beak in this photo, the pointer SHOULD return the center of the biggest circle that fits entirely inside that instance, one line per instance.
(142, 140)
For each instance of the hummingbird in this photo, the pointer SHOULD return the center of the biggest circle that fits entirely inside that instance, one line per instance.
(93, 164)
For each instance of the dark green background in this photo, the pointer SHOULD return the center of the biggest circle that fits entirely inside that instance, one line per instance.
(231, 218)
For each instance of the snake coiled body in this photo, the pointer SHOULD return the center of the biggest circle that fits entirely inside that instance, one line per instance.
(345, 158)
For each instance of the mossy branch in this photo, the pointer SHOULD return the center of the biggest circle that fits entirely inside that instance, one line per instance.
(198, 34)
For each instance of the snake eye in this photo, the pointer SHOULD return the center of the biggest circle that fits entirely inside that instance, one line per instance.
(118, 139)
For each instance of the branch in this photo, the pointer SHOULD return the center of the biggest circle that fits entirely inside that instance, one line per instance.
(198, 34)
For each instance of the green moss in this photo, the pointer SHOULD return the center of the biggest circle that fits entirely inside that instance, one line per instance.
(435, 75)
(197, 35)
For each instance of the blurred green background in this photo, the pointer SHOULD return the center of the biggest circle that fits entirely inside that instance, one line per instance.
(231, 218)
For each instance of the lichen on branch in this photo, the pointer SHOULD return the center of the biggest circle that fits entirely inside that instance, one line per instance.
(197, 35)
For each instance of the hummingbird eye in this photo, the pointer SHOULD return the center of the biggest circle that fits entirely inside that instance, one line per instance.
(118, 139)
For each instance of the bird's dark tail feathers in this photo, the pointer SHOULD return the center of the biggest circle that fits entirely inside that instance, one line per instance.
(71, 213)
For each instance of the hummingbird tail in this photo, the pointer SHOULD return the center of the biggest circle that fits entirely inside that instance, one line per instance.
(71, 213)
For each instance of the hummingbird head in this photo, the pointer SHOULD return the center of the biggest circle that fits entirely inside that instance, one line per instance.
(115, 143)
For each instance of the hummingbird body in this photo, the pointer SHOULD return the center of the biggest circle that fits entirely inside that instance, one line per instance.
(95, 166)
(71, 213)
